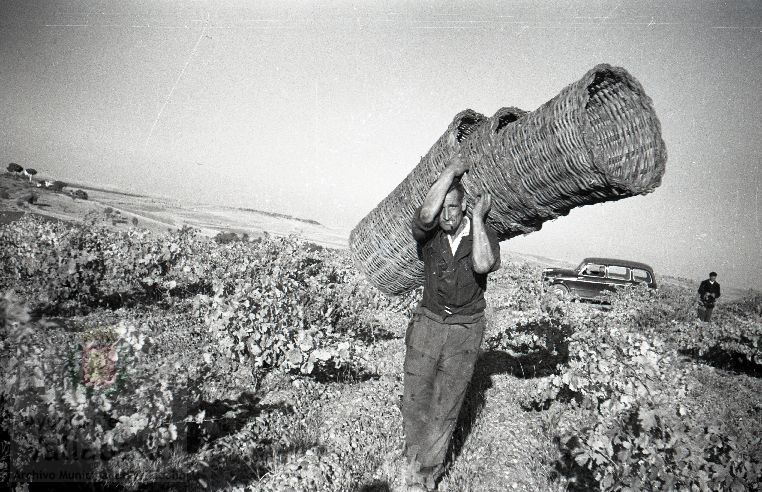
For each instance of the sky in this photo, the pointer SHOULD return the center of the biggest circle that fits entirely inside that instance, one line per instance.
(319, 109)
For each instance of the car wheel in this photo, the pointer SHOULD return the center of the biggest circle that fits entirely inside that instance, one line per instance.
(560, 291)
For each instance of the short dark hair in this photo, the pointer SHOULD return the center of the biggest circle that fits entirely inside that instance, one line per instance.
(458, 186)
(712, 274)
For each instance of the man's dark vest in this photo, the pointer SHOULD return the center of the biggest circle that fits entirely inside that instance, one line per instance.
(451, 288)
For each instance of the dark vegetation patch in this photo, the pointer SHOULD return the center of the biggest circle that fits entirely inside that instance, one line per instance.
(579, 478)
(363, 330)
(348, 374)
(536, 348)
(10, 216)
(225, 417)
(279, 215)
(721, 358)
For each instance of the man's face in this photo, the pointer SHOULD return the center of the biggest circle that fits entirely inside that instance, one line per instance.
(452, 212)
(713, 278)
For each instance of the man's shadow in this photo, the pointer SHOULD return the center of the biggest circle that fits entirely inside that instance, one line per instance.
(491, 362)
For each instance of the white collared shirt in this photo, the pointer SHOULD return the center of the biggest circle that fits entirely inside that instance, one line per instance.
(455, 241)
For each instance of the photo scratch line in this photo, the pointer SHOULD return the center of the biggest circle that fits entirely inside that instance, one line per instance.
(177, 81)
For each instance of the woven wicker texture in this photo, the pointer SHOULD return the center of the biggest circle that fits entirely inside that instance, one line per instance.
(598, 140)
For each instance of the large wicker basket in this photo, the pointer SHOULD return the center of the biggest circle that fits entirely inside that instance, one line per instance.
(598, 140)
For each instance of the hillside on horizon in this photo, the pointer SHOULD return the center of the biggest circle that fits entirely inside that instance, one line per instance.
(118, 209)
(156, 213)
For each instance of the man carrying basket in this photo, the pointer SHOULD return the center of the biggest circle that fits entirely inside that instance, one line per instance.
(445, 332)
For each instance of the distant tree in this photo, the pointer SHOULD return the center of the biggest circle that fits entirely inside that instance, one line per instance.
(108, 210)
(81, 194)
(30, 172)
(58, 185)
(225, 237)
(14, 168)
(134, 221)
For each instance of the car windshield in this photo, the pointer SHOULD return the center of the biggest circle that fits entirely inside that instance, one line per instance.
(590, 268)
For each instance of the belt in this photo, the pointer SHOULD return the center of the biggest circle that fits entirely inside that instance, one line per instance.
(450, 319)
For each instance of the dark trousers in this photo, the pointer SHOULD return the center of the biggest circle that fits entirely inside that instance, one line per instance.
(439, 363)
(705, 313)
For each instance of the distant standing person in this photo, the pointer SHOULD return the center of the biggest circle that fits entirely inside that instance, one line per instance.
(709, 292)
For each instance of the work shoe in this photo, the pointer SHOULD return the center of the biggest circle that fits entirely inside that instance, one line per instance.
(422, 478)
(416, 487)
(415, 480)
(432, 473)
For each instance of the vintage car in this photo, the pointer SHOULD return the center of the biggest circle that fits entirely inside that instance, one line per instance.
(595, 276)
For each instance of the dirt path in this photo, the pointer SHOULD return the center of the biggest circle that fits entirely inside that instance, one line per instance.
(497, 445)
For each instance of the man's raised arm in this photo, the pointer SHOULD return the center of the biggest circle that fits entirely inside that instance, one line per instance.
(486, 249)
(432, 204)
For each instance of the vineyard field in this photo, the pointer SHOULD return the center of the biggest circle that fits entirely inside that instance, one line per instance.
(170, 361)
